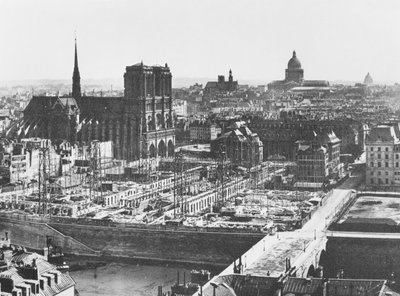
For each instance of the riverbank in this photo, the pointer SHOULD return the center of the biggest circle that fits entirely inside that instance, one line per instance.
(79, 262)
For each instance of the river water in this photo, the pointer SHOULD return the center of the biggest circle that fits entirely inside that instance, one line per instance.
(122, 279)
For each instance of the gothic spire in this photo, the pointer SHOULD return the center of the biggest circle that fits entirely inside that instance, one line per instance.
(76, 78)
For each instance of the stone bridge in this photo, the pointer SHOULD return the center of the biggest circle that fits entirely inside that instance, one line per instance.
(300, 253)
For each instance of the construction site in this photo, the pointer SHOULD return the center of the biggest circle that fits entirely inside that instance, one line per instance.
(181, 190)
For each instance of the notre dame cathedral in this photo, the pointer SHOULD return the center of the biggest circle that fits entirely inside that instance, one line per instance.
(140, 124)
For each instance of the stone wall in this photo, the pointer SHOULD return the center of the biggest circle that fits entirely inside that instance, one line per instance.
(171, 244)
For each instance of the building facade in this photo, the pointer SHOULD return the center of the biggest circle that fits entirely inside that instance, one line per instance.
(140, 124)
(203, 131)
(383, 156)
(241, 145)
(279, 136)
(318, 158)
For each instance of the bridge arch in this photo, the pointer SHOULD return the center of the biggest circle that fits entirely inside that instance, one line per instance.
(323, 258)
(311, 271)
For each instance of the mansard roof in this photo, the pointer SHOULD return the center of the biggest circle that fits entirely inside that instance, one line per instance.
(384, 133)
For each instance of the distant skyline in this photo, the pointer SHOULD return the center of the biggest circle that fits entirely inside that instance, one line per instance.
(334, 40)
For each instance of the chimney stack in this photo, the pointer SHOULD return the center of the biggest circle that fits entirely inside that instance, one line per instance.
(160, 291)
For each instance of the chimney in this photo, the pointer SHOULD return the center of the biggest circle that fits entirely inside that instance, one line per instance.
(56, 276)
(160, 293)
(48, 277)
(46, 253)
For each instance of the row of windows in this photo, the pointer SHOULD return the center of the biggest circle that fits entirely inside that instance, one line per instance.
(380, 164)
(379, 149)
(379, 173)
(386, 156)
(396, 148)
(380, 181)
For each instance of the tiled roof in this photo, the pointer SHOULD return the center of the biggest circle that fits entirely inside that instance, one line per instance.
(19, 275)
(65, 281)
(349, 287)
(25, 258)
(335, 287)
(242, 285)
(302, 286)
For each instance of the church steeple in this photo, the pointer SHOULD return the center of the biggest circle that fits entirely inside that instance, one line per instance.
(76, 78)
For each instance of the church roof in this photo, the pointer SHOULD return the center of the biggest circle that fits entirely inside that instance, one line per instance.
(294, 62)
(211, 84)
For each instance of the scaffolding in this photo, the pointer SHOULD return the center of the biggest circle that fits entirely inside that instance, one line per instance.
(43, 178)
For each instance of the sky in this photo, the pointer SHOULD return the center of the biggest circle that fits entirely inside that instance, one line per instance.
(334, 40)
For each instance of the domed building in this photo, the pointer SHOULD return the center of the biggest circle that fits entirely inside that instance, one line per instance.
(368, 79)
(294, 78)
(294, 72)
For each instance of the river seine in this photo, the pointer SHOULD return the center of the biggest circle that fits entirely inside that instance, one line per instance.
(126, 279)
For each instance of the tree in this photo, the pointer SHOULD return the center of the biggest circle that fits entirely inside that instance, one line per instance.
(354, 150)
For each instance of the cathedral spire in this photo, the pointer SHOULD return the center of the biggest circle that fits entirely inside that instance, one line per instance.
(76, 78)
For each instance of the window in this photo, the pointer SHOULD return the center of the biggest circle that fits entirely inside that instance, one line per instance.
(397, 156)
(372, 181)
(387, 173)
(379, 156)
(379, 164)
(386, 149)
(386, 156)
(379, 148)
(387, 181)
(397, 164)
(379, 173)
(386, 164)
(372, 149)
(371, 164)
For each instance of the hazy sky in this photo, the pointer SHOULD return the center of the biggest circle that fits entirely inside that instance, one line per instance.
(342, 39)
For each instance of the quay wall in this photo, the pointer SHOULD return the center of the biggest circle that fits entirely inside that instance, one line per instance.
(365, 258)
(154, 242)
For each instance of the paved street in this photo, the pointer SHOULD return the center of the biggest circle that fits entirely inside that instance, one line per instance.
(292, 244)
